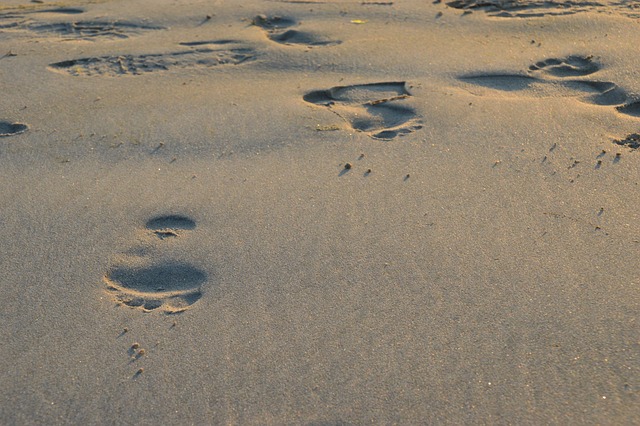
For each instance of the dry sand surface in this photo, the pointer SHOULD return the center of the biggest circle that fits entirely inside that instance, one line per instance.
(319, 212)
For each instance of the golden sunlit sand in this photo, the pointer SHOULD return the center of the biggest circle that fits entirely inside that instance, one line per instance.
(319, 212)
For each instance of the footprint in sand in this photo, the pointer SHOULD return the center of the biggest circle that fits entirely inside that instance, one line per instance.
(113, 66)
(571, 66)
(278, 29)
(169, 286)
(375, 109)
(559, 77)
(19, 17)
(169, 226)
(21, 11)
(631, 108)
(10, 129)
(208, 42)
(537, 8)
(89, 30)
(40, 8)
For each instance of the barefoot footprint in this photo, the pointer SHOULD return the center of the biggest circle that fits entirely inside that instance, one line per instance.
(171, 286)
(560, 77)
(371, 108)
(597, 92)
(10, 129)
(278, 29)
(535, 8)
(90, 30)
(139, 64)
(169, 226)
(571, 66)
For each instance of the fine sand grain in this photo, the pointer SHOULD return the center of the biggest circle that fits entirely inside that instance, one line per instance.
(319, 212)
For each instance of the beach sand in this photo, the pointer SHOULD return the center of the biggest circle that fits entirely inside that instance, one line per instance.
(319, 212)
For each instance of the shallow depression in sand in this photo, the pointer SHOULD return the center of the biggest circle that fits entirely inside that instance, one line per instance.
(371, 108)
(168, 278)
(10, 129)
(170, 222)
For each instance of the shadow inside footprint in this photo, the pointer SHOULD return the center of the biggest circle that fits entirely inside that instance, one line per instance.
(277, 30)
(170, 225)
(172, 286)
(10, 129)
(359, 93)
(158, 279)
(170, 222)
(603, 93)
(300, 37)
(632, 109)
(383, 116)
(207, 42)
(62, 10)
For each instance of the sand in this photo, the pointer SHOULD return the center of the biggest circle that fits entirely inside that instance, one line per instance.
(184, 243)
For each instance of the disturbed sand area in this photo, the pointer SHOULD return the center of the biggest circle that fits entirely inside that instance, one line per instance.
(183, 241)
